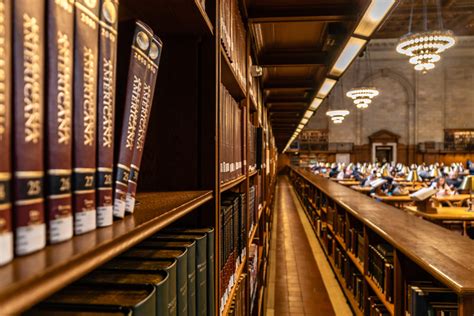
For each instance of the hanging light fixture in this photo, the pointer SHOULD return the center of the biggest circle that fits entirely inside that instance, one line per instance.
(337, 116)
(362, 96)
(424, 48)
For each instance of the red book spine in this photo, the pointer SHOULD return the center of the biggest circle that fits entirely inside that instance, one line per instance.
(106, 110)
(28, 88)
(60, 65)
(146, 103)
(136, 74)
(6, 234)
(85, 114)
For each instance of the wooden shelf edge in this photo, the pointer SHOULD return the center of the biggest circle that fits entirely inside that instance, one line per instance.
(229, 77)
(70, 260)
(252, 173)
(239, 272)
(205, 17)
(232, 183)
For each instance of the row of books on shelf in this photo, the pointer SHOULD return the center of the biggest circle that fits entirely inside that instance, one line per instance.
(253, 269)
(376, 307)
(353, 278)
(232, 144)
(427, 298)
(57, 118)
(381, 268)
(253, 207)
(238, 306)
(255, 147)
(168, 274)
(233, 242)
(234, 38)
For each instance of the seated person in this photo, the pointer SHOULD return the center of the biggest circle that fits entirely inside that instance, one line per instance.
(453, 179)
(442, 187)
(372, 176)
(333, 173)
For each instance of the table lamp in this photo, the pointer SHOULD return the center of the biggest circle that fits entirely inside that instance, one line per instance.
(468, 184)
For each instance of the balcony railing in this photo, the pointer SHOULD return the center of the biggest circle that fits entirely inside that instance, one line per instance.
(435, 147)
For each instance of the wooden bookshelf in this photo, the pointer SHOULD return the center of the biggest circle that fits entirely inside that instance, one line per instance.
(229, 78)
(421, 249)
(232, 183)
(28, 280)
(238, 273)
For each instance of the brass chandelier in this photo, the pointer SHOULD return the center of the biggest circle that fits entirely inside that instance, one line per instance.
(424, 48)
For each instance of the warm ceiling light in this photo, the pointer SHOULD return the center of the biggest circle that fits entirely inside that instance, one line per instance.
(315, 104)
(373, 16)
(301, 126)
(362, 96)
(337, 116)
(350, 51)
(304, 121)
(308, 114)
(326, 87)
(424, 48)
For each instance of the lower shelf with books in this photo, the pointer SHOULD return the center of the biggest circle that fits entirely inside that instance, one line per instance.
(27, 280)
(228, 302)
(166, 274)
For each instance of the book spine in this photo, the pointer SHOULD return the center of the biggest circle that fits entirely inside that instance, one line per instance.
(191, 260)
(136, 74)
(201, 277)
(210, 273)
(85, 114)
(149, 83)
(6, 234)
(108, 25)
(60, 63)
(28, 74)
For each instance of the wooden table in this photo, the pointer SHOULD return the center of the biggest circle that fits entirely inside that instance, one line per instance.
(445, 214)
(452, 200)
(365, 190)
(348, 183)
(396, 200)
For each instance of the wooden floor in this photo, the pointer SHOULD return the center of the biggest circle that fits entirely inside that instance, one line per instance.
(296, 285)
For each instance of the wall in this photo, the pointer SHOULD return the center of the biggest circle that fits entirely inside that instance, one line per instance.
(417, 107)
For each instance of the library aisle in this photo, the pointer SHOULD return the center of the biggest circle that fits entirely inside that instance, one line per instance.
(301, 281)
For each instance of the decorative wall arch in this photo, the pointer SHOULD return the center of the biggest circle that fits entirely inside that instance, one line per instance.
(405, 83)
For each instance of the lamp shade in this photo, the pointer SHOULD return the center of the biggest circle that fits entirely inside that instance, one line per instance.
(413, 176)
(435, 173)
(467, 183)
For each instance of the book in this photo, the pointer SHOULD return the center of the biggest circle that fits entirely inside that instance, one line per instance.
(158, 279)
(137, 300)
(108, 25)
(60, 65)
(6, 230)
(181, 270)
(28, 128)
(423, 194)
(191, 268)
(136, 74)
(86, 38)
(200, 264)
(210, 241)
(168, 265)
(148, 91)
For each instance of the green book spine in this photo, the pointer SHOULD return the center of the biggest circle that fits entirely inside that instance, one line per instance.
(201, 266)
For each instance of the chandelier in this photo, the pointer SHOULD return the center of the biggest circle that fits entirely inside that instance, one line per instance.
(337, 116)
(362, 96)
(424, 48)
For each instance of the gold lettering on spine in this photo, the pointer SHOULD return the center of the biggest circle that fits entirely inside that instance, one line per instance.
(3, 106)
(145, 111)
(132, 119)
(31, 77)
(89, 106)
(107, 112)
(63, 98)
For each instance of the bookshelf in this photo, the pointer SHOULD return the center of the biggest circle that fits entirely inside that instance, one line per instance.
(180, 180)
(422, 251)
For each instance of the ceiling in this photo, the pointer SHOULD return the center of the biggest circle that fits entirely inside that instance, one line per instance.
(457, 16)
(297, 40)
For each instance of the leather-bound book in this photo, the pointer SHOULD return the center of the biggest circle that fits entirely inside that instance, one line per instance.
(28, 111)
(192, 271)
(60, 65)
(86, 49)
(181, 255)
(158, 279)
(167, 265)
(108, 25)
(129, 299)
(148, 91)
(6, 234)
(142, 39)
